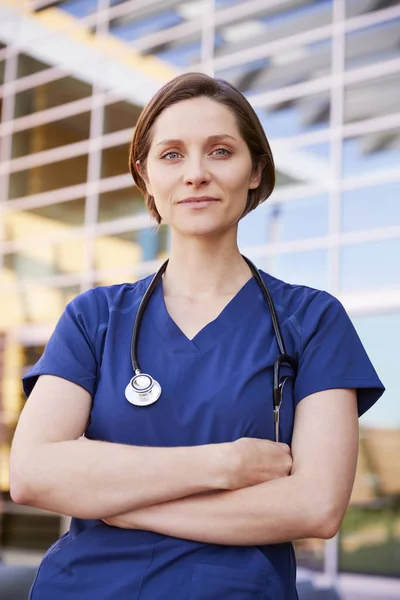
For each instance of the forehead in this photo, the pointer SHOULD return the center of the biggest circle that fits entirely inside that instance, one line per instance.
(197, 117)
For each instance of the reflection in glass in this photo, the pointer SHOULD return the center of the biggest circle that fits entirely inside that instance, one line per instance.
(27, 65)
(181, 53)
(308, 267)
(310, 553)
(287, 221)
(120, 115)
(302, 115)
(380, 334)
(284, 67)
(302, 165)
(43, 260)
(120, 203)
(374, 44)
(50, 94)
(78, 8)
(48, 177)
(372, 98)
(370, 535)
(366, 154)
(44, 221)
(114, 161)
(370, 265)
(33, 304)
(130, 248)
(133, 26)
(371, 207)
(51, 135)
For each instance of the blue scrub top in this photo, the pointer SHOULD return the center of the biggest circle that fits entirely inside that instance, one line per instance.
(216, 387)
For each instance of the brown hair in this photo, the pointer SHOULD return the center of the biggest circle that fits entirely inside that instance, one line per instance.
(195, 85)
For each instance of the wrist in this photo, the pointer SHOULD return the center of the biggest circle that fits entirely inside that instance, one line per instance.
(220, 460)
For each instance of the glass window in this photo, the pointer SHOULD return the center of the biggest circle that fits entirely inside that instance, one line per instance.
(44, 221)
(48, 177)
(372, 98)
(370, 265)
(380, 334)
(284, 67)
(130, 248)
(33, 304)
(49, 95)
(355, 8)
(310, 553)
(308, 267)
(374, 44)
(119, 204)
(286, 221)
(303, 165)
(301, 115)
(51, 135)
(371, 207)
(43, 260)
(78, 8)
(114, 161)
(120, 115)
(27, 65)
(369, 540)
(182, 53)
(370, 153)
(131, 27)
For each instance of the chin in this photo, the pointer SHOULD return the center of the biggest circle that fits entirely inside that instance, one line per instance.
(200, 229)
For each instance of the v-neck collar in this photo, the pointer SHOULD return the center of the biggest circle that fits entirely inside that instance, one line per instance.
(238, 307)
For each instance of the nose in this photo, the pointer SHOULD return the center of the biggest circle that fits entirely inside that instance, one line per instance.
(195, 173)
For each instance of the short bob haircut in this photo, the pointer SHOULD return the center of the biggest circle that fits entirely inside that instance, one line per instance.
(196, 85)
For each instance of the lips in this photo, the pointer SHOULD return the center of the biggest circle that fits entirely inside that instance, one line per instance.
(198, 200)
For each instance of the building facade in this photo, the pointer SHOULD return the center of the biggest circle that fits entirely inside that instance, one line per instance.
(324, 78)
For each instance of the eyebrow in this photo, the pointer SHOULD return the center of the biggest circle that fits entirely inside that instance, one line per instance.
(211, 138)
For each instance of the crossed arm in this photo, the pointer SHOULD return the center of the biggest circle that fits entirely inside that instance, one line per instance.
(311, 502)
(178, 492)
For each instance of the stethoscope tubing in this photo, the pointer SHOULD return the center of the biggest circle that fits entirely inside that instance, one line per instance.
(282, 359)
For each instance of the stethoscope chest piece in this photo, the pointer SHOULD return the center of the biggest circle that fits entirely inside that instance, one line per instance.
(142, 390)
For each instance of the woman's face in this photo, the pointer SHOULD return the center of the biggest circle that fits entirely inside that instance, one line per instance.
(199, 168)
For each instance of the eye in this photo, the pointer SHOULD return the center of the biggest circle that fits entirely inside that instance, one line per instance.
(222, 152)
(171, 155)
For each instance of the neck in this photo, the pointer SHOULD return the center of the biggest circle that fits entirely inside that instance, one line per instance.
(205, 266)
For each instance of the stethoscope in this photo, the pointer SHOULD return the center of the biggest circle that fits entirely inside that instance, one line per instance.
(143, 389)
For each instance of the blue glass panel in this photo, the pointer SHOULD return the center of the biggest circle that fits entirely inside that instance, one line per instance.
(294, 220)
(383, 46)
(367, 208)
(370, 265)
(182, 56)
(136, 29)
(303, 268)
(380, 335)
(79, 8)
(300, 11)
(358, 158)
(291, 120)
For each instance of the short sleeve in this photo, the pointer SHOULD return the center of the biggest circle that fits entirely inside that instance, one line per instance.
(333, 356)
(70, 352)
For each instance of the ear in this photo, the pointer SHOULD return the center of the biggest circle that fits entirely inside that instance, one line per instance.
(255, 179)
(143, 175)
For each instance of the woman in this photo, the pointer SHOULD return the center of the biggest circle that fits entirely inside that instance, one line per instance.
(190, 497)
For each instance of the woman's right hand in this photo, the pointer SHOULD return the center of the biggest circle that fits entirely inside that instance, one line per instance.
(255, 461)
